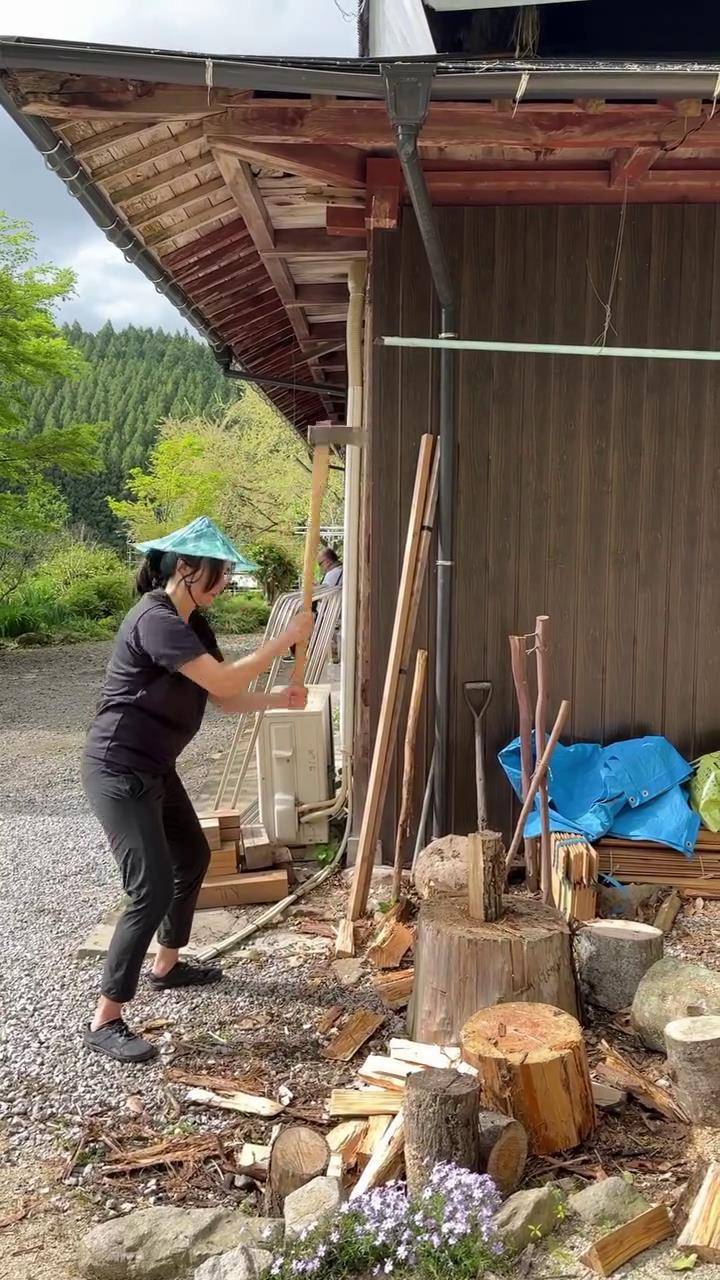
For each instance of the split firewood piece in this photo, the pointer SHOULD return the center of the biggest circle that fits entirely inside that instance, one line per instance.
(606, 1097)
(358, 1029)
(345, 940)
(611, 958)
(299, 1154)
(328, 1019)
(346, 1139)
(429, 1055)
(395, 987)
(386, 1073)
(486, 875)
(252, 1155)
(619, 1071)
(377, 1127)
(693, 1050)
(392, 940)
(245, 1103)
(627, 1241)
(364, 1102)
(335, 1166)
(668, 912)
(503, 1149)
(441, 1124)
(386, 1161)
(533, 1065)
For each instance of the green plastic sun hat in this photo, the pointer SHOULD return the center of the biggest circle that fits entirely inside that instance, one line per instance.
(201, 537)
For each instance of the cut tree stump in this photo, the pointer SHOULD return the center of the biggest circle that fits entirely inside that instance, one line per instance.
(486, 875)
(298, 1155)
(693, 1050)
(462, 965)
(441, 1124)
(701, 1233)
(503, 1149)
(612, 957)
(532, 1064)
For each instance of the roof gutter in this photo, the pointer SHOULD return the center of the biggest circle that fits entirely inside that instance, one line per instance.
(408, 92)
(471, 79)
(59, 158)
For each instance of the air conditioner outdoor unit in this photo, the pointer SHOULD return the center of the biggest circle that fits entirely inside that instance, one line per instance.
(295, 766)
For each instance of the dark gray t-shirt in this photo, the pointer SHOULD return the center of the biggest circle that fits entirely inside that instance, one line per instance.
(147, 711)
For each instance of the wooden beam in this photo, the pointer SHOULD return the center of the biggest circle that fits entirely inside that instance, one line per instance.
(156, 181)
(230, 271)
(309, 294)
(570, 186)
(245, 295)
(165, 147)
(249, 201)
(313, 242)
(628, 165)
(199, 271)
(246, 287)
(384, 184)
(366, 125)
(166, 234)
(335, 166)
(344, 220)
(145, 217)
(92, 98)
(90, 146)
(327, 331)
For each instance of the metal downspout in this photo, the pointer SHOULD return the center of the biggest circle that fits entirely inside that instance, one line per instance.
(407, 90)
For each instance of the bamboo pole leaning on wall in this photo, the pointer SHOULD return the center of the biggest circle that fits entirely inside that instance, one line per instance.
(321, 463)
(403, 827)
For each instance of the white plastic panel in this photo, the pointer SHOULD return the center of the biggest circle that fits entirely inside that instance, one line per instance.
(398, 28)
(294, 760)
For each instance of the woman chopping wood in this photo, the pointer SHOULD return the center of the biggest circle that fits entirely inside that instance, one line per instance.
(164, 664)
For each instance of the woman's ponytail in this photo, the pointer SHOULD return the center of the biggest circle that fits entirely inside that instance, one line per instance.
(155, 570)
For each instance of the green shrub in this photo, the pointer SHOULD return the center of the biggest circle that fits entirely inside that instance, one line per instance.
(277, 570)
(240, 615)
(78, 592)
(103, 597)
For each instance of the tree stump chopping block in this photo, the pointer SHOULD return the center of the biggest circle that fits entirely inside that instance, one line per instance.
(612, 957)
(532, 1065)
(441, 1123)
(463, 964)
(693, 1050)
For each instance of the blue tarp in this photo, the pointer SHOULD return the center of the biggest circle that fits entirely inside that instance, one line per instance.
(631, 789)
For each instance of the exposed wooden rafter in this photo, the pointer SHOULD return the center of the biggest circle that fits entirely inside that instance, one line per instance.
(200, 219)
(91, 98)
(156, 181)
(250, 203)
(338, 166)
(146, 216)
(137, 159)
(344, 220)
(198, 249)
(90, 146)
(313, 242)
(629, 165)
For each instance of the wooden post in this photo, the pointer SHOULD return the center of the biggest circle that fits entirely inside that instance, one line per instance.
(486, 874)
(403, 827)
(533, 1065)
(417, 545)
(541, 709)
(537, 778)
(441, 1123)
(518, 662)
(321, 463)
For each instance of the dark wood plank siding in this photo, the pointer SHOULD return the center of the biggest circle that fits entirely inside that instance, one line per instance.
(589, 490)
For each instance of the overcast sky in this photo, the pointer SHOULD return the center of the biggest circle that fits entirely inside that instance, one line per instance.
(107, 288)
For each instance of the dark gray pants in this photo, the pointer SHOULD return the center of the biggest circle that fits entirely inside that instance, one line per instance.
(161, 851)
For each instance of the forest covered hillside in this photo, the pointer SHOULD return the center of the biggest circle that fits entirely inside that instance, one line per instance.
(134, 379)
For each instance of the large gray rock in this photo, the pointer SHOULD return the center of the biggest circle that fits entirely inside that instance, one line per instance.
(608, 1203)
(527, 1215)
(169, 1243)
(442, 867)
(309, 1204)
(666, 992)
(241, 1263)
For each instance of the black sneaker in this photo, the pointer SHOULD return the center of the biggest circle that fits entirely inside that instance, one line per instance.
(116, 1040)
(186, 975)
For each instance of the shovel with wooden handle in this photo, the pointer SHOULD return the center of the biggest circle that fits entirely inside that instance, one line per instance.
(320, 467)
(477, 696)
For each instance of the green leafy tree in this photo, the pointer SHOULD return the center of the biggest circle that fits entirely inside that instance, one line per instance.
(33, 352)
(277, 569)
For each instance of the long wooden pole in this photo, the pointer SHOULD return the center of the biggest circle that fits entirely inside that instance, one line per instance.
(320, 467)
(542, 624)
(518, 662)
(403, 827)
(422, 514)
(540, 772)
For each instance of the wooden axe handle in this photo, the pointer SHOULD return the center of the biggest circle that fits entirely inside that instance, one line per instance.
(321, 462)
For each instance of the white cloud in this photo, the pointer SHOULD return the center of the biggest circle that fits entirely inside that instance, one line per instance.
(108, 288)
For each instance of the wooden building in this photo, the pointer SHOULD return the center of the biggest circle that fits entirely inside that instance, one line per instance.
(575, 204)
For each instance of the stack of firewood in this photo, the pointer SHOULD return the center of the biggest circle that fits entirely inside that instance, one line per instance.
(245, 867)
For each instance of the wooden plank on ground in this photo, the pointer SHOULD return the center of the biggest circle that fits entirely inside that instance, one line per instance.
(358, 1029)
(627, 1241)
(364, 1102)
(244, 889)
(618, 1071)
(386, 1073)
